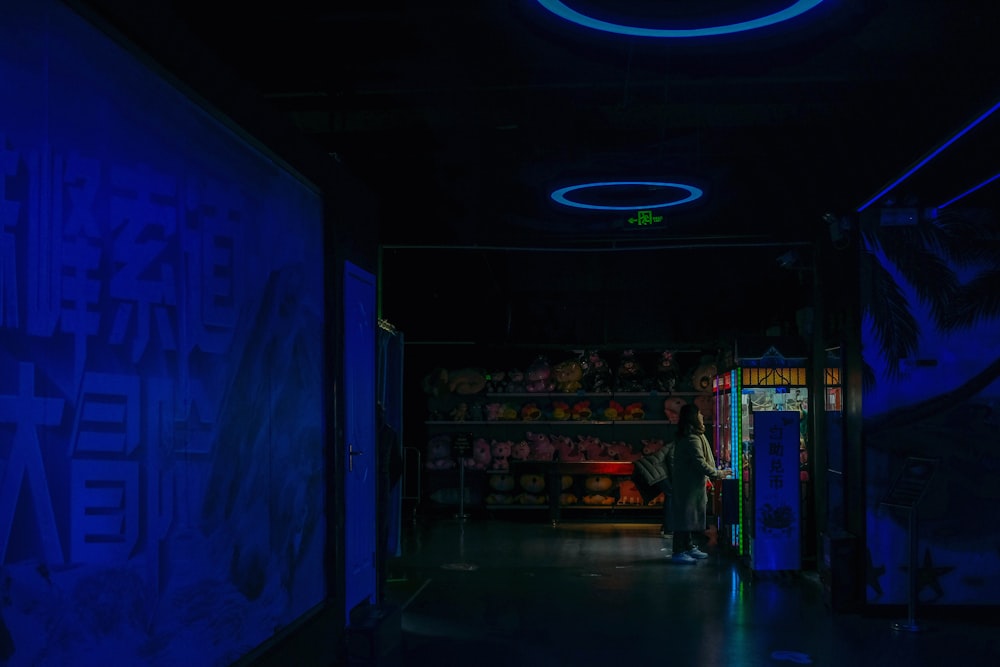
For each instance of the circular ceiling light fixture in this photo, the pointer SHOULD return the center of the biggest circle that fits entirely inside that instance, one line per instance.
(796, 8)
(560, 195)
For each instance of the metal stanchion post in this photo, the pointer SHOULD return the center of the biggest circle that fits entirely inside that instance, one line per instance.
(905, 493)
(910, 624)
(463, 443)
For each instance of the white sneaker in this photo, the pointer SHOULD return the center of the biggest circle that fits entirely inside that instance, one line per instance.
(695, 552)
(682, 557)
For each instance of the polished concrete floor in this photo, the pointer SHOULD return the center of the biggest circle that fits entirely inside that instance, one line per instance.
(516, 593)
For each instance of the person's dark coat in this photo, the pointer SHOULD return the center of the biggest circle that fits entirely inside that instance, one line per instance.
(694, 465)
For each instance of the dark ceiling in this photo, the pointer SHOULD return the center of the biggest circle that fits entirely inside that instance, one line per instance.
(463, 117)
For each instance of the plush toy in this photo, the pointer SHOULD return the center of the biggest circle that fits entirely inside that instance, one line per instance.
(465, 381)
(520, 451)
(568, 376)
(566, 495)
(621, 451)
(672, 409)
(581, 411)
(439, 453)
(508, 413)
(599, 490)
(651, 446)
(481, 456)
(560, 410)
(704, 373)
(566, 449)
(634, 412)
(596, 373)
(666, 372)
(628, 493)
(460, 412)
(532, 490)
(494, 411)
(500, 454)
(591, 447)
(530, 412)
(435, 383)
(515, 381)
(630, 376)
(541, 446)
(706, 405)
(538, 377)
(496, 382)
(614, 411)
(501, 485)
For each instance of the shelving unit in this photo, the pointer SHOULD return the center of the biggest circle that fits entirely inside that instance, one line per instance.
(597, 463)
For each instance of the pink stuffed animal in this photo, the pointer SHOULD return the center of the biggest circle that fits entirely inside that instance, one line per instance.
(542, 448)
(480, 459)
(500, 454)
(651, 446)
(520, 451)
(672, 409)
(621, 451)
(539, 376)
(591, 447)
(566, 449)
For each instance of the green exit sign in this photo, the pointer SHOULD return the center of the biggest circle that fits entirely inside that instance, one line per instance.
(645, 219)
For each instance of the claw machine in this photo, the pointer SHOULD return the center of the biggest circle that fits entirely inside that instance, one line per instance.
(761, 434)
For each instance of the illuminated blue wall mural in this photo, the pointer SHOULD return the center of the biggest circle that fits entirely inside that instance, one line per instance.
(161, 319)
(931, 340)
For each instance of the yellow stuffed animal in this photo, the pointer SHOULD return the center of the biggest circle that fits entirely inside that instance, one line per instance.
(569, 376)
(532, 490)
(599, 490)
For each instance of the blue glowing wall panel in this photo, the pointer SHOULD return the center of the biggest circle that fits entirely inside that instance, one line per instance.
(161, 322)
(943, 401)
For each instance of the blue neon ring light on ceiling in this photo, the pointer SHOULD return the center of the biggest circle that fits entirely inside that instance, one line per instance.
(560, 195)
(560, 9)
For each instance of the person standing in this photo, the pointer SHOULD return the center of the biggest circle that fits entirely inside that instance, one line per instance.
(693, 466)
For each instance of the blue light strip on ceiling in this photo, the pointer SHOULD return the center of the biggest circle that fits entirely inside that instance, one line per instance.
(561, 10)
(930, 157)
(560, 195)
(970, 191)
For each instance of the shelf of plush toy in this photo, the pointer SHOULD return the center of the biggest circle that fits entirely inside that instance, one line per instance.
(556, 422)
(601, 394)
(621, 468)
(594, 408)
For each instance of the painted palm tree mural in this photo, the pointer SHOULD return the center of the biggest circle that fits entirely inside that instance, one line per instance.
(931, 337)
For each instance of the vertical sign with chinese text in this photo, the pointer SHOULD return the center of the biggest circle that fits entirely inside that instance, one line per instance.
(775, 542)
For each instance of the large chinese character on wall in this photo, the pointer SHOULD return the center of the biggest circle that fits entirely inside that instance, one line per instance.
(161, 324)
